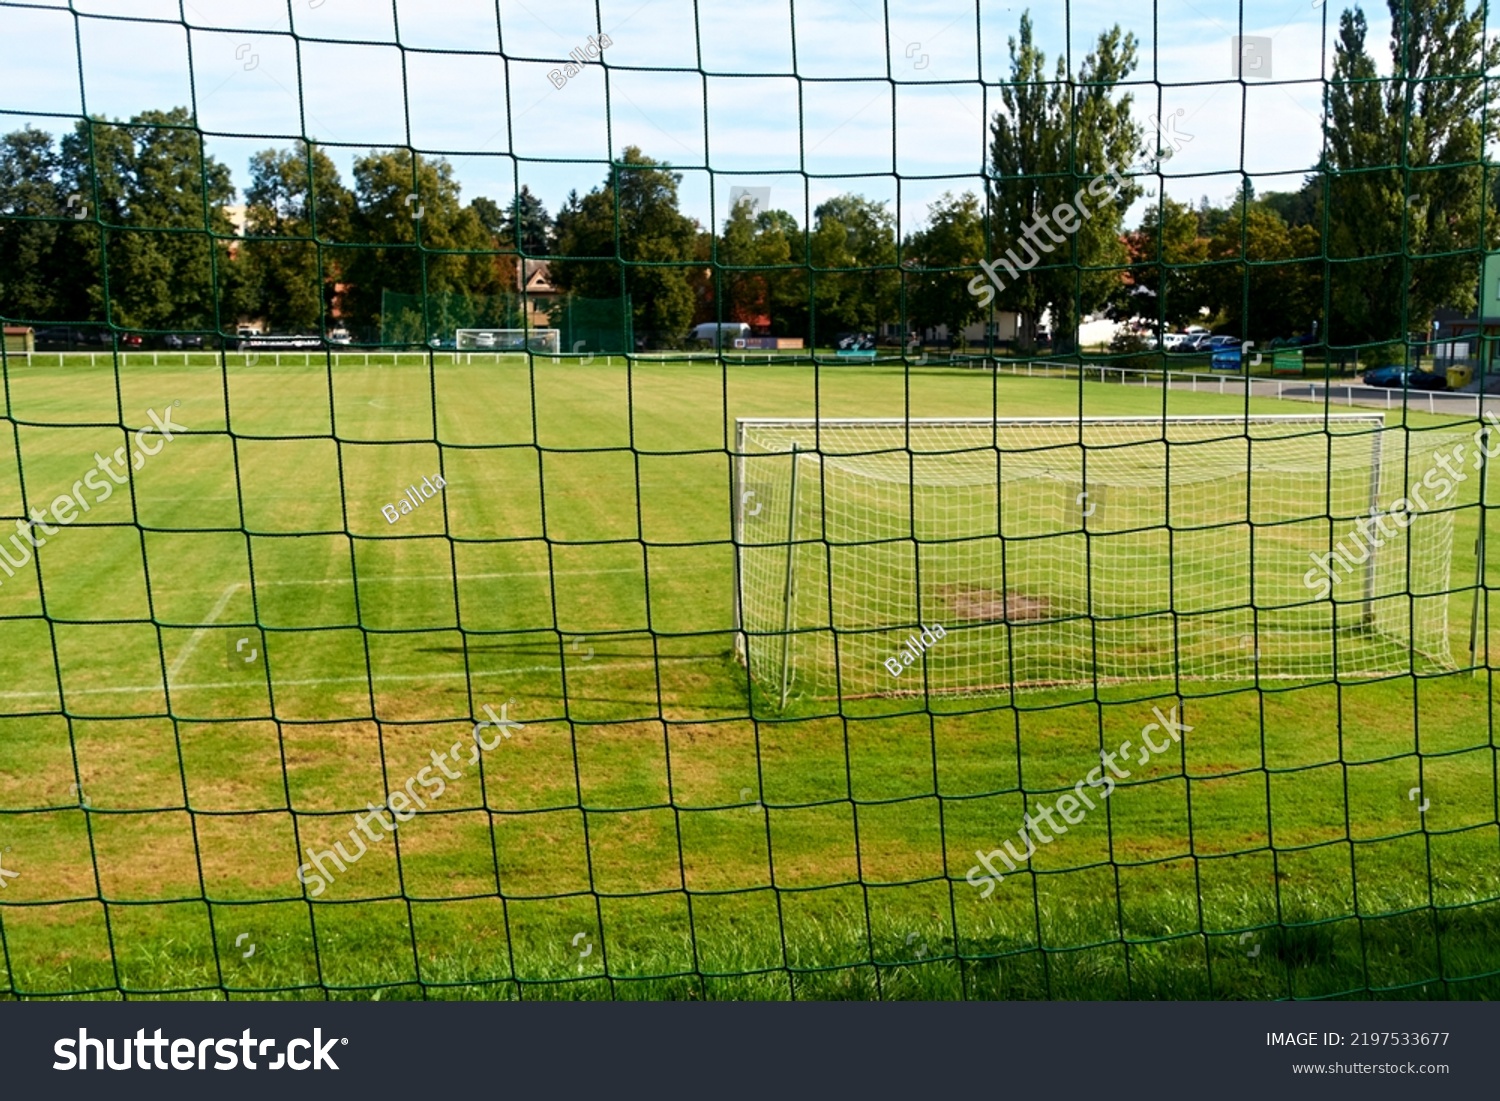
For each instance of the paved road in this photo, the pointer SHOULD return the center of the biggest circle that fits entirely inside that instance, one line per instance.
(1350, 394)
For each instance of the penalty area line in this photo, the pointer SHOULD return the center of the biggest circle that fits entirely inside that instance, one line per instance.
(197, 636)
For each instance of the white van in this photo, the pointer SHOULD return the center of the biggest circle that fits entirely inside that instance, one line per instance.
(720, 334)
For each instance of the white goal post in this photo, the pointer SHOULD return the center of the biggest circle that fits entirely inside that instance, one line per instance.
(1065, 552)
(507, 340)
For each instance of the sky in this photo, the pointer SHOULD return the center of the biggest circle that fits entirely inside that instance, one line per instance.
(886, 98)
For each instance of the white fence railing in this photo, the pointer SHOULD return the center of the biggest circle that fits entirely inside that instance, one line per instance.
(366, 359)
(1453, 403)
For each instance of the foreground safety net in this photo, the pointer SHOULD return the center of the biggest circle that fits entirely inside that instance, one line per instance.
(412, 594)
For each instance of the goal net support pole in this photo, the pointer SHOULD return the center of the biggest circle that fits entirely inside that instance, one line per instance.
(789, 592)
(1375, 455)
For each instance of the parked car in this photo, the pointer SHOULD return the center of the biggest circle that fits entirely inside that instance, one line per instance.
(1174, 342)
(1397, 377)
(1197, 342)
(720, 334)
(67, 339)
(1194, 330)
(1218, 343)
(179, 341)
(1300, 341)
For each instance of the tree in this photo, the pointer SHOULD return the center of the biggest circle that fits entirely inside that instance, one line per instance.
(783, 247)
(1049, 139)
(1165, 282)
(744, 291)
(758, 273)
(1262, 292)
(491, 216)
(526, 224)
(1303, 207)
(855, 282)
(420, 242)
(165, 251)
(951, 243)
(628, 237)
(295, 202)
(28, 195)
(1405, 163)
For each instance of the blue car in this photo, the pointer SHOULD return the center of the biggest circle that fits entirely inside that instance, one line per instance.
(1404, 377)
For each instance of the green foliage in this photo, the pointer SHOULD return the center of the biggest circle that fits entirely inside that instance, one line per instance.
(534, 236)
(294, 203)
(418, 237)
(414, 319)
(1127, 349)
(627, 236)
(28, 193)
(1165, 280)
(1256, 284)
(1050, 138)
(1303, 207)
(1406, 188)
(744, 293)
(943, 255)
(759, 273)
(153, 225)
(853, 252)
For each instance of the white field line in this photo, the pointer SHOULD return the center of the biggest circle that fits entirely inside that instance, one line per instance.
(644, 663)
(192, 643)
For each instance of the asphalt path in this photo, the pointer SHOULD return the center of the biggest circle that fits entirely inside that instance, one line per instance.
(1352, 394)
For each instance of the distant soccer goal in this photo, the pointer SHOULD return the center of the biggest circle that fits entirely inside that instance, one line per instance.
(1057, 552)
(507, 340)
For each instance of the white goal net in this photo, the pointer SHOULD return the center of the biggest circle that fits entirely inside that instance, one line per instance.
(507, 340)
(1060, 552)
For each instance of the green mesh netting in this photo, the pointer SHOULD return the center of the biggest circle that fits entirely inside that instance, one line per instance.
(793, 661)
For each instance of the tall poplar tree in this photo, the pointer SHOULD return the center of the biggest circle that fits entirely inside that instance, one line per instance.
(1409, 213)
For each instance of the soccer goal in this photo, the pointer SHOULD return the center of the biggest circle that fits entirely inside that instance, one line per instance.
(1060, 552)
(507, 340)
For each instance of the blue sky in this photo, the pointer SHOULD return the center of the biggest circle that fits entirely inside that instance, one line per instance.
(882, 97)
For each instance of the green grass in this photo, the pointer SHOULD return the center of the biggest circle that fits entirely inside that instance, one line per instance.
(583, 570)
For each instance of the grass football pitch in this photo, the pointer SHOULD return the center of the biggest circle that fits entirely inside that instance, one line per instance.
(230, 658)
